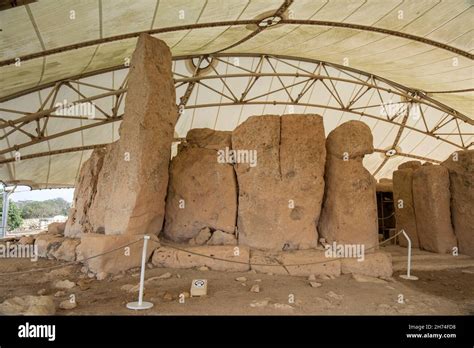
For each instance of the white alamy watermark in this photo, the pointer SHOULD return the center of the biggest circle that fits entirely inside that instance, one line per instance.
(13, 251)
(345, 250)
(237, 156)
(28, 330)
(393, 109)
(79, 109)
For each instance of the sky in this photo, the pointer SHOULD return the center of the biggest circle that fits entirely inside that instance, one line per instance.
(23, 193)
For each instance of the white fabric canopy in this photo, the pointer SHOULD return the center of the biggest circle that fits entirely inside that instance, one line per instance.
(423, 46)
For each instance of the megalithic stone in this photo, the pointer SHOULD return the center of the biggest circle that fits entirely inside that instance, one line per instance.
(349, 214)
(280, 197)
(432, 209)
(78, 221)
(461, 175)
(202, 191)
(403, 201)
(140, 179)
(133, 180)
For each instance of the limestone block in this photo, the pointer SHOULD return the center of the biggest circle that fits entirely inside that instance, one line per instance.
(378, 264)
(461, 176)
(202, 192)
(132, 183)
(280, 197)
(86, 188)
(295, 262)
(124, 258)
(67, 250)
(431, 197)
(56, 227)
(404, 208)
(349, 214)
(165, 256)
(47, 244)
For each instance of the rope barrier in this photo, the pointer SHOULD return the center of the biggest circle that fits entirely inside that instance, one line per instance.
(70, 262)
(189, 252)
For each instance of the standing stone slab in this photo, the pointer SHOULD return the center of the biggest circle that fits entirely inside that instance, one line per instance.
(280, 198)
(461, 175)
(133, 180)
(349, 213)
(86, 188)
(202, 192)
(404, 208)
(432, 208)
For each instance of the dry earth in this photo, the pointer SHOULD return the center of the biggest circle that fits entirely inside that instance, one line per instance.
(446, 292)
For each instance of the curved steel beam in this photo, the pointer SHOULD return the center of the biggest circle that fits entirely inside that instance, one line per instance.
(241, 23)
(411, 91)
(346, 106)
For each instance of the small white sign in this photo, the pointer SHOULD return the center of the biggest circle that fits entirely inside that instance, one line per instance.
(198, 287)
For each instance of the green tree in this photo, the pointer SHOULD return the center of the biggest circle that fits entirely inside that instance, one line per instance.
(43, 209)
(14, 215)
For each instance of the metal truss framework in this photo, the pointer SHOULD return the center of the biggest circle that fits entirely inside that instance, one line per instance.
(320, 75)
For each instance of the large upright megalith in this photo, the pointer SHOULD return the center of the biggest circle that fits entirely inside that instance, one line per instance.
(132, 182)
(403, 201)
(202, 190)
(349, 214)
(280, 194)
(432, 208)
(461, 175)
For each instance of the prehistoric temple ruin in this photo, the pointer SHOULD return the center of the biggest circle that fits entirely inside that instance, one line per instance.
(251, 158)
(301, 195)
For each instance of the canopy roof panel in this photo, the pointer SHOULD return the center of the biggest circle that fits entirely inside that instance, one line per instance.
(404, 67)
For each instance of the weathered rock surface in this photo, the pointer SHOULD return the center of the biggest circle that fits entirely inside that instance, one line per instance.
(222, 238)
(410, 165)
(385, 185)
(349, 214)
(295, 262)
(202, 237)
(431, 197)
(280, 197)
(26, 240)
(378, 264)
(352, 139)
(28, 305)
(56, 227)
(403, 202)
(67, 250)
(207, 138)
(461, 176)
(47, 244)
(86, 188)
(168, 257)
(67, 304)
(124, 258)
(132, 183)
(202, 192)
(64, 284)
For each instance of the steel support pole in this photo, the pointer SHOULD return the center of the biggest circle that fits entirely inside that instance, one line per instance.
(3, 227)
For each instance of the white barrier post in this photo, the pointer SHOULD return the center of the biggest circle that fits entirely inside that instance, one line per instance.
(140, 304)
(408, 275)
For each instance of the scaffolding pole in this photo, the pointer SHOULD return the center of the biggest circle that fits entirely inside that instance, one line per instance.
(3, 227)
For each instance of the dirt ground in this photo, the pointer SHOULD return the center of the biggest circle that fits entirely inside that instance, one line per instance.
(447, 292)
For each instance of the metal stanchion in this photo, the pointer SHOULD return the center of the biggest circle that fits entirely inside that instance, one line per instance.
(140, 304)
(408, 275)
